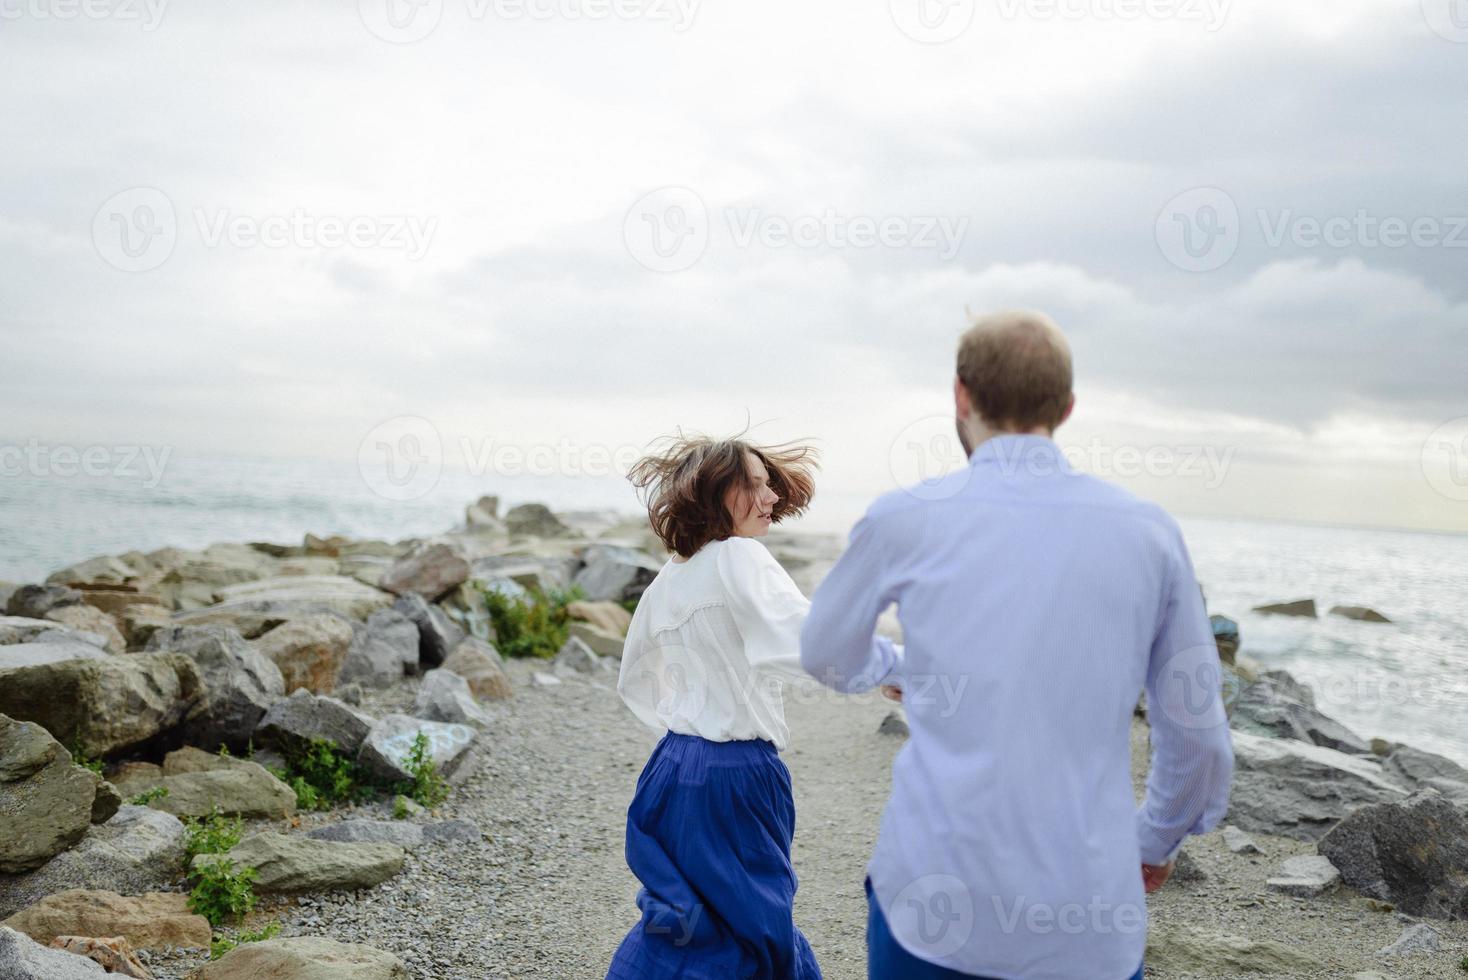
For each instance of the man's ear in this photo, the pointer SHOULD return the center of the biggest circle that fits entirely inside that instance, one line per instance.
(1068, 409)
(962, 404)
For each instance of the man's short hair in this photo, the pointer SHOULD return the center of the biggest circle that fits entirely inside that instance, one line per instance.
(1017, 369)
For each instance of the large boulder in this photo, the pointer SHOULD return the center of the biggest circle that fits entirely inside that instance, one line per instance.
(1200, 951)
(299, 593)
(295, 863)
(305, 958)
(241, 788)
(431, 570)
(360, 831)
(137, 850)
(241, 682)
(49, 648)
(1413, 854)
(1296, 789)
(535, 520)
(607, 616)
(35, 601)
(604, 643)
(152, 921)
(303, 717)
(309, 651)
(104, 568)
(1426, 770)
(437, 634)
(388, 746)
(101, 706)
(22, 958)
(1278, 706)
(188, 580)
(1297, 607)
(615, 573)
(46, 801)
(482, 516)
(88, 619)
(382, 651)
(481, 666)
(445, 696)
(139, 623)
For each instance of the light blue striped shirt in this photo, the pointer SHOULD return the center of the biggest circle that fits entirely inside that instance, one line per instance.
(1036, 604)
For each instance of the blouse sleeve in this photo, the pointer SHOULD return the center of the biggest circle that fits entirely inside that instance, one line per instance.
(768, 607)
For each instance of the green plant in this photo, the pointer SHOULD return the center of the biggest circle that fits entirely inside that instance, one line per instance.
(426, 787)
(536, 626)
(149, 795)
(322, 775)
(400, 807)
(224, 892)
(1463, 964)
(223, 944)
(630, 604)
(214, 834)
(79, 754)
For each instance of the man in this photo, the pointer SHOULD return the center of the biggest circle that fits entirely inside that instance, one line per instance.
(1036, 603)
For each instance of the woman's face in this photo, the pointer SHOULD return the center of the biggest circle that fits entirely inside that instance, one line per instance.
(751, 505)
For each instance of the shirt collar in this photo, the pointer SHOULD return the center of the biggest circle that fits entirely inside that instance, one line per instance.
(1015, 453)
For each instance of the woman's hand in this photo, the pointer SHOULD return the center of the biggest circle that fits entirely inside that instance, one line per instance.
(892, 692)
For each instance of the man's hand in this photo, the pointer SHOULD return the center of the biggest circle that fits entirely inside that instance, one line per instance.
(892, 692)
(1155, 875)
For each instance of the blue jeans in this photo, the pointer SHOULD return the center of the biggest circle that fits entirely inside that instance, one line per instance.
(887, 960)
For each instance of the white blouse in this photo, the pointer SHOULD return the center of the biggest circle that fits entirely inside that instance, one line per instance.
(710, 643)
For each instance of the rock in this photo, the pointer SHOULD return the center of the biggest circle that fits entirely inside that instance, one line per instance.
(1359, 613)
(616, 573)
(1414, 940)
(1225, 637)
(105, 568)
(241, 682)
(152, 921)
(1423, 770)
(400, 832)
(1239, 842)
(187, 580)
(309, 651)
(542, 679)
(115, 599)
(115, 955)
(295, 595)
(138, 850)
(48, 651)
(22, 958)
(579, 657)
(445, 696)
(35, 601)
(437, 634)
(23, 629)
(303, 717)
(88, 619)
(603, 643)
(139, 623)
(100, 706)
(1299, 607)
(382, 651)
(47, 802)
(305, 958)
(107, 801)
(1413, 854)
(480, 665)
(1295, 789)
(246, 790)
(483, 515)
(452, 832)
(1278, 706)
(893, 724)
(1204, 952)
(431, 570)
(606, 616)
(294, 863)
(535, 520)
(1305, 876)
(1186, 870)
(515, 575)
(386, 748)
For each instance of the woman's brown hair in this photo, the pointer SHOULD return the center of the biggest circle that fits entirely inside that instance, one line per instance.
(687, 480)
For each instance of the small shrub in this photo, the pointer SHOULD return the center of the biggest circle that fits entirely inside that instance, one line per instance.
(1463, 964)
(148, 796)
(224, 892)
(323, 775)
(400, 807)
(79, 754)
(425, 787)
(223, 944)
(214, 834)
(533, 627)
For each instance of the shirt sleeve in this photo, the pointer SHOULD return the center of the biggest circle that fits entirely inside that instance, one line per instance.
(767, 606)
(1192, 753)
(839, 645)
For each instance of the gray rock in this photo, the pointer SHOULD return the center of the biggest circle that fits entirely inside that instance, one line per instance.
(1186, 870)
(535, 520)
(616, 573)
(360, 831)
(1359, 613)
(1295, 789)
(138, 850)
(241, 682)
(383, 650)
(482, 516)
(1203, 952)
(245, 789)
(1414, 940)
(1277, 706)
(305, 958)
(576, 655)
(431, 570)
(46, 801)
(1299, 607)
(295, 863)
(386, 749)
(303, 717)
(309, 651)
(452, 832)
(1413, 854)
(894, 724)
(105, 568)
(445, 696)
(22, 958)
(1239, 842)
(1425, 770)
(541, 679)
(437, 634)
(1305, 876)
(35, 601)
(604, 643)
(101, 706)
(84, 618)
(482, 667)
(50, 648)
(306, 593)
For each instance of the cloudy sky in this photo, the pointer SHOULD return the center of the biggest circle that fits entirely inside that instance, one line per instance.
(569, 226)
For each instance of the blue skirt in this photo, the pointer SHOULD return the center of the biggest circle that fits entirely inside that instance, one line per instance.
(708, 835)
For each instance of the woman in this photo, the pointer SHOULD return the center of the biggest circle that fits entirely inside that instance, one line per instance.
(709, 830)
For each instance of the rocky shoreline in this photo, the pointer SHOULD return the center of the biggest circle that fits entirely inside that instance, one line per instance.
(148, 698)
